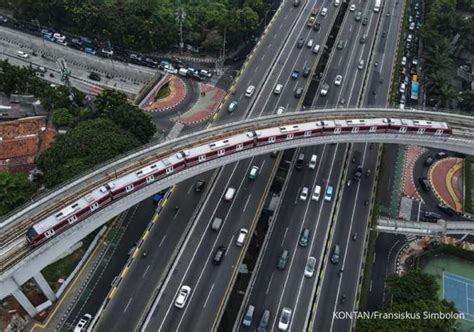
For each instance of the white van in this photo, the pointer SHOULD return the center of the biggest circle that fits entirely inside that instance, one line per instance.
(316, 48)
(316, 194)
(241, 237)
(312, 162)
(229, 194)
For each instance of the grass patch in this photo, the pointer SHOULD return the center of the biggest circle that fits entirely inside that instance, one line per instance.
(364, 292)
(163, 92)
(468, 206)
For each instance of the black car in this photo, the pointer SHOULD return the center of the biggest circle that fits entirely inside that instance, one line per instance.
(316, 26)
(429, 161)
(199, 186)
(76, 43)
(441, 155)
(424, 183)
(300, 43)
(94, 76)
(358, 173)
(219, 255)
(298, 92)
(365, 20)
(446, 209)
(306, 71)
(430, 217)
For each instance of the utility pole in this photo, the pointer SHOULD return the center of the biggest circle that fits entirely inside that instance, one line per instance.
(180, 15)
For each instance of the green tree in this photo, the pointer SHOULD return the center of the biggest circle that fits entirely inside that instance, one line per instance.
(62, 117)
(412, 286)
(15, 189)
(89, 143)
(467, 102)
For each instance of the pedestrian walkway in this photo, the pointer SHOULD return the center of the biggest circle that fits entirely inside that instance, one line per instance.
(411, 156)
(396, 188)
(446, 181)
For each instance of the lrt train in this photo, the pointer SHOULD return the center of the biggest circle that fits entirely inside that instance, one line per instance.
(125, 184)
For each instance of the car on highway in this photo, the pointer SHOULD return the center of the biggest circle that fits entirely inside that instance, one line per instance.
(247, 321)
(241, 237)
(232, 107)
(316, 26)
(219, 255)
(312, 161)
(280, 110)
(316, 193)
(300, 43)
(352, 7)
(278, 89)
(441, 155)
(328, 194)
(182, 296)
(216, 224)
(306, 71)
(360, 66)
(83, 322)
(250, 90)
(253, 172)
(365, 20)
(310, 266)
(229, 194)
(304, 194)
(357, 173)
(324, 11)
(429, 161)
(298, 92)
(299, 161)
(263, 324)
(424, 183)
(295, 74)
(22, 54)
(316, 48)
(358, 16)
(285, 318)
(324, 89)
(338, 80)
(341, 44)
(335, 254)
(296, 3)
(304, 238)
(310, 43)
(283, 259)
(199, 186)
(363, 39)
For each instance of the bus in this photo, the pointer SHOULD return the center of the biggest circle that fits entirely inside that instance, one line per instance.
(378, 4)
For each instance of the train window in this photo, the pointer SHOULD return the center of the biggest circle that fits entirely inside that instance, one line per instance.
(403, 129)
(307, 133)
(94, 206)
(129, 188)
(169, 170)
(150, 179)
(337, 130)
(272, 139)
(439, 132)
(49, 233)
(355, 129)
(420, 131)
(239, 147)
(373, 129)
(72, 220)
(202, 158)
(289, 136)
(221, 152)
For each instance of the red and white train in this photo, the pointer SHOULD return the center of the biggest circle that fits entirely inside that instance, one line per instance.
(123, 185)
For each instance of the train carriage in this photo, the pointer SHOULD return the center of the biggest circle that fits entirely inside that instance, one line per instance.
(284, 133)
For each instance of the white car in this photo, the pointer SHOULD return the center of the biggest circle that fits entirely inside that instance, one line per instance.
(22, 54)
(404, 60)
(324, 11)
(304, 194)
(412, 26)
(338, 80)
(250, 90)
(278, 89)
(316, 194)
(280, 110)
(182, 297)
(324, 89)
(285, 318)
(310, 266)
(402, 88)
(59, 37)
(83, 322)
(352, 7)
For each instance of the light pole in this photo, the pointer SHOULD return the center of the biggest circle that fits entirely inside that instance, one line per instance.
(180, 15)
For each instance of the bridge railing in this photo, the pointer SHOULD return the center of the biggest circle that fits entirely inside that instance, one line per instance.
(158, 144)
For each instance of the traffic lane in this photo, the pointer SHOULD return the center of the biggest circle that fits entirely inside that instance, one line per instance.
(329, 298)
(290, 212)
(131, 297)
(284, 237)
(215, 282)
(283, 26)
(194, 242)
(299, 292)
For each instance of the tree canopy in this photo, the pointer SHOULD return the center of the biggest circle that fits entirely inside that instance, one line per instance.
(15, 189)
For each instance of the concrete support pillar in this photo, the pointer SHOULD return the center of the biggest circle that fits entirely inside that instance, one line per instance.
(25, 303)
(44, 286)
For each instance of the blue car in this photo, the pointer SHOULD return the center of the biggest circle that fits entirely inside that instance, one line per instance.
(295, 74)
(328, 195)
(90, 50)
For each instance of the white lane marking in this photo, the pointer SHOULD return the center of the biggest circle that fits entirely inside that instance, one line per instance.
(284, 236)
(370, 287)
(129, 301)
(247, 203)
(162, 240)
(269, 284)
(190, 188)
(208, 295)
(375, 255)
(147, 268)
(229, 245)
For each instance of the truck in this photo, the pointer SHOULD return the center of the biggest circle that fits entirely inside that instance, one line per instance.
(183, 72)
(312, 17)
(415, 87)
